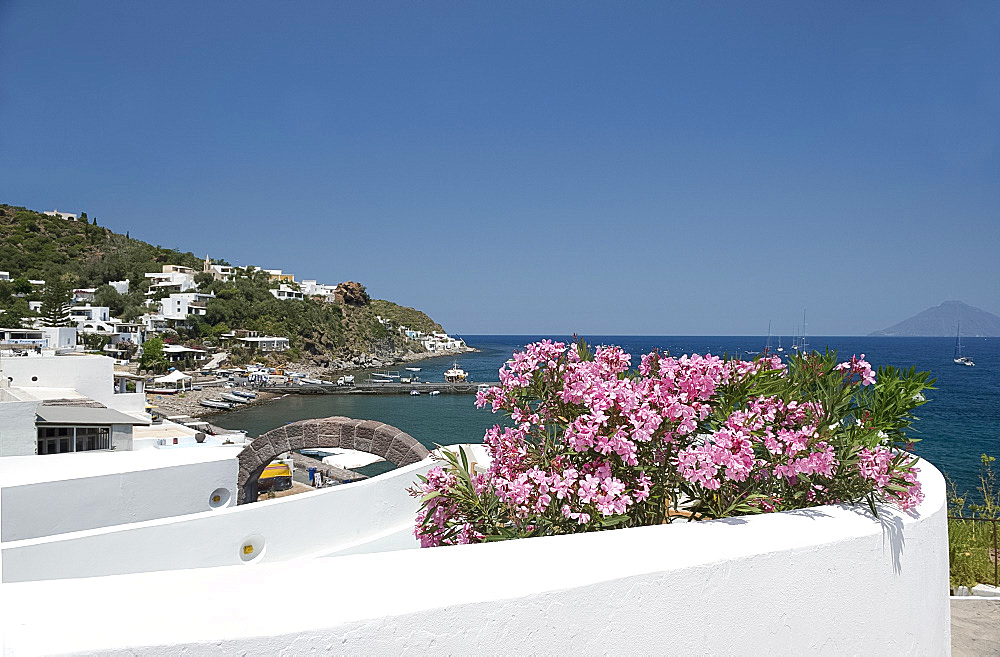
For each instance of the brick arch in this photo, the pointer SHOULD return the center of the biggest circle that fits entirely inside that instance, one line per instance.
(392, 444)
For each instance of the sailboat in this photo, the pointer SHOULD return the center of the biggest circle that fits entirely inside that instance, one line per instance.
(959, 358)
(800, 343)
(767, 345)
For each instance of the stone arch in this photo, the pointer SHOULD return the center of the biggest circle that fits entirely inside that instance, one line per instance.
(392, 444)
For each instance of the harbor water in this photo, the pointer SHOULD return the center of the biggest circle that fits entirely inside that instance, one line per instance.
(960, 421)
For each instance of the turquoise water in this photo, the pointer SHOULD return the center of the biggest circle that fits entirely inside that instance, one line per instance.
(961, 420)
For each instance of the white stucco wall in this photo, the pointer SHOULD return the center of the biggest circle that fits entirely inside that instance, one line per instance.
(18, 436)
(91, 376)
(829, 581)
(58, 493)
(373, 514)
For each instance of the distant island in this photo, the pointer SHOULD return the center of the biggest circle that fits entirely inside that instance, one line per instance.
(943, 321)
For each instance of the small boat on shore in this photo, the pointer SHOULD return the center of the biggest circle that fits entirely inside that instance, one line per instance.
(246, 394)
(230, 397)
(215, 403)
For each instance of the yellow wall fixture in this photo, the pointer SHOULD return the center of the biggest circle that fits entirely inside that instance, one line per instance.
(216, 498)
(252, 548)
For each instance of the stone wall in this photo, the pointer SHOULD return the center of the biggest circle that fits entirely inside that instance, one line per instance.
(392, 444)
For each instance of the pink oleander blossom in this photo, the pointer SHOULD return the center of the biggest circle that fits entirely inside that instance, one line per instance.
(595, 445)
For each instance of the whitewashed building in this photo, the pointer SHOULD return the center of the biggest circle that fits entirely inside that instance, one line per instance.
(175, 353)
(173, 278)
(285, 292)
(178, 306)
(62, 215)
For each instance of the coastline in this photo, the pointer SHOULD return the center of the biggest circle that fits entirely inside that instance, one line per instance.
(189, 402)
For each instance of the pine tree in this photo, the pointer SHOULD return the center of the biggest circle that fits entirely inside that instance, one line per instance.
(56, 302)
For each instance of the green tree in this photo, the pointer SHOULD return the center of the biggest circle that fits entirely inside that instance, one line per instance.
(109, 296)
(153, 358)
(17, 314)
(22, 286)
(56, 301)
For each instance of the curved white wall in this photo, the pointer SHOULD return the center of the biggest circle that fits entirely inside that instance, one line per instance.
(369, 515)
(830, 580)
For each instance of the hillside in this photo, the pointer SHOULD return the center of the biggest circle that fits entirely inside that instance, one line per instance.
(83, 254)
(943, 320)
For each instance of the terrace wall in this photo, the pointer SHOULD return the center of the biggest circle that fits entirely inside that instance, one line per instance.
(829, 580)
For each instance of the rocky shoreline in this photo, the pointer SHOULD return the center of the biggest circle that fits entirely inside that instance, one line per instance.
(189, 402)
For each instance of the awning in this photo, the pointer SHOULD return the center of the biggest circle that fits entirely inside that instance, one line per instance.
(173, 377)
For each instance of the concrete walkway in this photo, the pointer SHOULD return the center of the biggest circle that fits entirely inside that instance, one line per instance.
(975, 627)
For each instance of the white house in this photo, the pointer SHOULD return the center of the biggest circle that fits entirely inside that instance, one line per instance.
(83, 294)
(88, 313)
(178, 306)
(176, 353)
(4, 275)
(51, 404)
(60, 337)
(121, 287)
(173, 278)
(285, 292)
(265, 342)
(13, 339)
(63, 215)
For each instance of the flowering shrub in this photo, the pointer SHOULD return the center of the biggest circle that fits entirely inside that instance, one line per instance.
(594, 445)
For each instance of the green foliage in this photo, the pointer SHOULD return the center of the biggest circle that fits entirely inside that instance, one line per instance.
(95, 341)
(37, 246)
(153, 359)
(971, 537)
(403, 316)
(56, 302)
(34, 245)
(17, 314)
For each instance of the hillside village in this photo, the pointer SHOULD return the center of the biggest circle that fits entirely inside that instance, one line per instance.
(186, 315)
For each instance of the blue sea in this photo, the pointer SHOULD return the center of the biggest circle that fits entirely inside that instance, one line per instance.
(960, 421)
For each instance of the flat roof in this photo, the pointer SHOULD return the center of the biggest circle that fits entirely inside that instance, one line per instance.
(83, 415)
(43, 393)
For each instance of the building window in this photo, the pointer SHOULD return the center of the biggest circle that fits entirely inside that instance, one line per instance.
(61, 440)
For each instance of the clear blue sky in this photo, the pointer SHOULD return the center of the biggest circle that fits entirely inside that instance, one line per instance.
(629, 168)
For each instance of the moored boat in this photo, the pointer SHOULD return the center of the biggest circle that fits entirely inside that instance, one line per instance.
(456, 374)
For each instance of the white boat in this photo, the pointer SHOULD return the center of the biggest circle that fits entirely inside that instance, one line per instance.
(246, 394)
(433, 392)
(412, 369)
(215, 403)
(228, 396)
(959, 358)
(313, 382)
(414, 393)
(456, 374)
